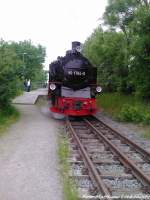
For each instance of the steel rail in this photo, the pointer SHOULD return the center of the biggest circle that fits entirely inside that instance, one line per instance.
(95, 175)
(128, 141)
(142, 177)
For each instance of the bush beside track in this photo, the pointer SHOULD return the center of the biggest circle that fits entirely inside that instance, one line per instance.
(125, 108)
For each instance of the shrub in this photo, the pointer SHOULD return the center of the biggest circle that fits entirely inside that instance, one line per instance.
(130, 114)
(146, 118)
(8, 115)
(9, 80)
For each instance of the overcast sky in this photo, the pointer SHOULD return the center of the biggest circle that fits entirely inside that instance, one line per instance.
(51, 23)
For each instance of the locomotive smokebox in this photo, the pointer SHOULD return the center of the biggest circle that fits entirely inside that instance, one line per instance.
(76, 45)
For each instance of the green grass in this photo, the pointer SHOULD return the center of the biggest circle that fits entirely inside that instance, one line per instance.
(147, 134)
(125, 108)
(8, 116)
(70, 192)
(113, 103)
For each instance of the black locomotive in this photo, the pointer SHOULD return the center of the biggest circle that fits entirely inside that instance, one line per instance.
(72, 81)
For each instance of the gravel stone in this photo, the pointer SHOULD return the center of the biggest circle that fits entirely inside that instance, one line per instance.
(76, 170)
(124, 148)
(101, 156)
(119, 183)
(84, 183)
(136, 157)
(145, 167)
(130, 130)
(111, 168)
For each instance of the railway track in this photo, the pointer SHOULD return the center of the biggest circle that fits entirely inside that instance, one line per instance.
(105, 162)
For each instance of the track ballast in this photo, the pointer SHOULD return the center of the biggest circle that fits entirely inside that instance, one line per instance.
(106, 163)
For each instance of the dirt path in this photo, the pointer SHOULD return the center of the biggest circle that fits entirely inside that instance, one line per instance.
(28, 157)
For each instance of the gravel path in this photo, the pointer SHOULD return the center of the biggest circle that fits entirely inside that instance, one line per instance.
(28, 157)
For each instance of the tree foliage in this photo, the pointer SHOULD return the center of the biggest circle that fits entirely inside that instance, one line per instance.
(18, 61)
(9, 65)
(32, 58)
(122, 52)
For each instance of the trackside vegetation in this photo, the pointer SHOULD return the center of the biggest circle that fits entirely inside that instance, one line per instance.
(122, 52)
(125, 107)
(18, 61)
(8, 116)
(120, 48)
(70, 192)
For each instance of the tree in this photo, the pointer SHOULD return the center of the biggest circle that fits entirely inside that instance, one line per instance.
(140, 51)
(32, 58)
(19, 61)
(119, 14)
(122, 53)
(106, 50)
(9, 81)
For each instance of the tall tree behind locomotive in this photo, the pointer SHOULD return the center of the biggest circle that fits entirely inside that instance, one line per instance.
(72, 84)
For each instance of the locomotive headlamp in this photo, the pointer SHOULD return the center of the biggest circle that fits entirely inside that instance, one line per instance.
(98, 89)
(52, 86)
(78, 49)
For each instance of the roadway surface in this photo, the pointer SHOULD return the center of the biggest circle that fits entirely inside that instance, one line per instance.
(28, 154)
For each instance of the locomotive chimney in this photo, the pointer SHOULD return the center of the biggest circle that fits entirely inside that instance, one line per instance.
(75, 45)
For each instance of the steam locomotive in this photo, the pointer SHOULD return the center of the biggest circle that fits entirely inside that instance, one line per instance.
(72, 84)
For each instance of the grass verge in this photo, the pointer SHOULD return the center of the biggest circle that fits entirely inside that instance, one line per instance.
(70, 193)
(147, 134)
(126, 108)
(8, 116)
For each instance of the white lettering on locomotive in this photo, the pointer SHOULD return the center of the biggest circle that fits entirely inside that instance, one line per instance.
(76, 73)
(70, 72)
